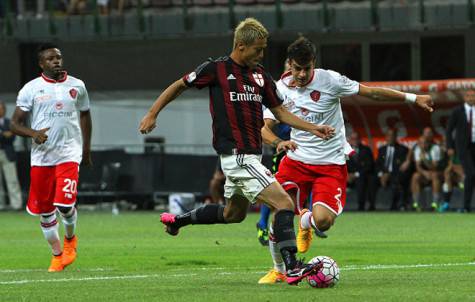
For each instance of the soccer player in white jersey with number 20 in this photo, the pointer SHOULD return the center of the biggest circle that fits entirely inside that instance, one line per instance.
(58, 105)
(313, 165)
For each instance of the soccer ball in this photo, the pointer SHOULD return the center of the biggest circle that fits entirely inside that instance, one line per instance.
(327, 276)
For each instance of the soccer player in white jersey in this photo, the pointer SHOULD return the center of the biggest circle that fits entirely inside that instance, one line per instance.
(58, 106)
(313, 165)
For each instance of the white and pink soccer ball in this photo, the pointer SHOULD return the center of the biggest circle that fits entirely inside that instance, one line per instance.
(327, 276)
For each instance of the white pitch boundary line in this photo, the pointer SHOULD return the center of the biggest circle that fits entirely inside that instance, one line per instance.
(13, 271)
(127, 277)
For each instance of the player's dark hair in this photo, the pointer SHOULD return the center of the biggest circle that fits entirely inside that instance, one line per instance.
(302, 51)
(43, 47)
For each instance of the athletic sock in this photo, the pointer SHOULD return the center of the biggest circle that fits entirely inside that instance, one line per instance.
(49, 226)
(285, 237)
(207, 214)
(69, 220)
(264, 218)
(279, 264)
(446, 193)
(306, 220)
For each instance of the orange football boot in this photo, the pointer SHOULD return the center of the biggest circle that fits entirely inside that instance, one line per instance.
(69, 250)
(56, 264)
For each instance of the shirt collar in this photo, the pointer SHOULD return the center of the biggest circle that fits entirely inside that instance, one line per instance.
(50, 80)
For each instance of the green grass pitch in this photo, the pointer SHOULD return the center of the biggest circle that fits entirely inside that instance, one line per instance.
(128, 257)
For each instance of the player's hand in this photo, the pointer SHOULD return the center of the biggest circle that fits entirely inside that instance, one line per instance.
(425, 102)
(147, 124)
(285, 146)
(86, 158)
(324, 131)
(384, 179)
(40, 136)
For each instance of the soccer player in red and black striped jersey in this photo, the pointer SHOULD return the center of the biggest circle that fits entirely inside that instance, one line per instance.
(238, 87)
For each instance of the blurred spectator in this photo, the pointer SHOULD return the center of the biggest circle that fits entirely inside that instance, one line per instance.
(104, 6)
(361, 172)
(7, 164)
(21, 9)
(77, 7)
(461, 124)
(427, 157)
(389, 169)
(453, 175)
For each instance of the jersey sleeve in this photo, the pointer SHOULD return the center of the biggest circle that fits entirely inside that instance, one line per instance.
(203, 76)
(341, 86)
(272, 97)
(268, 114)
(24, 100)
(83, 99)
(435, 153)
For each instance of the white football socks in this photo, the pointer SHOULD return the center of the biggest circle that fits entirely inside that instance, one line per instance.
(279, 264)
(49, 226)
(69, 220)
(306, 221)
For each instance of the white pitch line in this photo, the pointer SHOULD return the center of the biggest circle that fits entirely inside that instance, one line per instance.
(12, 271)
(127, 277)
(403, 266)
(123, 277)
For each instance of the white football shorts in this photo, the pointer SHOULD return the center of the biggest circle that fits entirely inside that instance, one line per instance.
(245, 175)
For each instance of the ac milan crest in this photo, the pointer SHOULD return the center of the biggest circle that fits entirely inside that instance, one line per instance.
(258, 78)
(315, 95)
(73, 93)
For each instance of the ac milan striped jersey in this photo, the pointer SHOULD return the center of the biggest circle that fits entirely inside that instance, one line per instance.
(237, 94)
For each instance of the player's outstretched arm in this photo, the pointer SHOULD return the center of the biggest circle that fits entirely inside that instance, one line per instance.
(148, 122)
(18, 127)
(86, 130)
(322, 131)
(386, 94)
(269, 138)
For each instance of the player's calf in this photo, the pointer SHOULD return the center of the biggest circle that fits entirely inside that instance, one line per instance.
(208, 214)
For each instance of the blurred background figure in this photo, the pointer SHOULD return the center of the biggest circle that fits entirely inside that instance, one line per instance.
(453, 176)
(77, 7)
(361, 172)
(427, 157)
(390, 173)
(461, 140)
(21, 9)
(8, 173)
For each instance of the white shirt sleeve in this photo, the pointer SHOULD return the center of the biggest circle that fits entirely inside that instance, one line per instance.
(83, 99)
(24, 100)
(435, 153)
(269, 115)
(341, 86)
(417, 153)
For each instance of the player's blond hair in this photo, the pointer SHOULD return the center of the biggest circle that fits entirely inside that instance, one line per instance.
(248, 31)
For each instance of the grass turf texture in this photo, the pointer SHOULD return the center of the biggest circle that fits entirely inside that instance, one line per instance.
(129, 258)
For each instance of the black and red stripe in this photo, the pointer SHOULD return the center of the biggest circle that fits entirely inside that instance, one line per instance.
(236, 123)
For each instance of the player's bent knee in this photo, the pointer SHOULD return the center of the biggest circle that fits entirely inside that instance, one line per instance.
(65, 210)
(324, 222)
